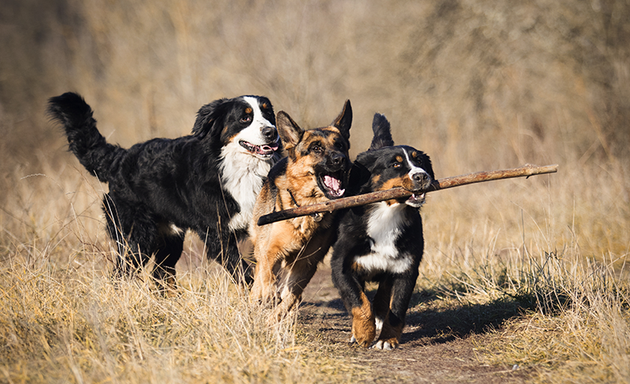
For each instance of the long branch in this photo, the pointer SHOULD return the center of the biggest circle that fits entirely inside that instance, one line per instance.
(397, 193)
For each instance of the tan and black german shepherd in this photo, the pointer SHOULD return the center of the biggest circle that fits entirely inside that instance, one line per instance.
(315, 170)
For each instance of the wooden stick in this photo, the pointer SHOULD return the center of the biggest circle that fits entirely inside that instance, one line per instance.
(397, 193)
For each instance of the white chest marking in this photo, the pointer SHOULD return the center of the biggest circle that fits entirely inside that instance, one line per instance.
(242, 173)
(385, 227)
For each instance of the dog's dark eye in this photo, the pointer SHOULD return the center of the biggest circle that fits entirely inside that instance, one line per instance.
(397, 162)
(340, 146)
(317, 148)
(245, 119)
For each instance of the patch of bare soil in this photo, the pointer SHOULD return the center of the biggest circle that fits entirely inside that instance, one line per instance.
(437, 345)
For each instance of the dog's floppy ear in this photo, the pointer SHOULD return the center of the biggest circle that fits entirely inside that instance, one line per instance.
(382, 133)
(359, 176)
(207, 116)
(289, 131)
(344, 120)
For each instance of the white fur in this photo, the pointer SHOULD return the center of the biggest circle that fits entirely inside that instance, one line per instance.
(242, 173)
(253, 133)
(384, 227)
(413, 170)
(378, 322)
(175, 230)
(170, 229)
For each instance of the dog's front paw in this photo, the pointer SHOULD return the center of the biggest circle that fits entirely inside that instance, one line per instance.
(386, 345)
(390, 337)
(260, 293)
(363, 330)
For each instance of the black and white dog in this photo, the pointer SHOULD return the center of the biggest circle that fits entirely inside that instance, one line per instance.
(382, 241)
(206, 182)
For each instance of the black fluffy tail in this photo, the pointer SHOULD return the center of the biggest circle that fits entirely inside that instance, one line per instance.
(84, 139)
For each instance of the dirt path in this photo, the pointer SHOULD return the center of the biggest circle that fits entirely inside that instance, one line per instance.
(434, 348)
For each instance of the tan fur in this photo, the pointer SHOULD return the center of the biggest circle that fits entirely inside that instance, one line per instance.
(363, 327)
(404, 182)
(287, 252)
(298, 244)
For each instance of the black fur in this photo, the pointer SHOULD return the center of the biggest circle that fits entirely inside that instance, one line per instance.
(162, 183)
(371, 170)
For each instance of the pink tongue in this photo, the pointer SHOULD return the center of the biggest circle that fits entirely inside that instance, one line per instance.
(334, 185)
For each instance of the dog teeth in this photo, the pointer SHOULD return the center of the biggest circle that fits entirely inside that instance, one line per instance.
(264, 149)
(418, 197)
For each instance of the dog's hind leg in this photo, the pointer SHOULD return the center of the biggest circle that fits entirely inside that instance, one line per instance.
(223, 248)
(133, 234)
(170, 247)
(382, 301)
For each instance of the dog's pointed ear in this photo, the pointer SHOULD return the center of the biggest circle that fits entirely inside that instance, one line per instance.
(207, 117)
(382, 133)
(344, 120)
(289, 131)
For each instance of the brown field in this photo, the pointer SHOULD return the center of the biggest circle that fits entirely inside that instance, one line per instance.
(522, 281)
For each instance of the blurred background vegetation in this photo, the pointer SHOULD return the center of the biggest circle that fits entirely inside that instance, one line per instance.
(477, 84)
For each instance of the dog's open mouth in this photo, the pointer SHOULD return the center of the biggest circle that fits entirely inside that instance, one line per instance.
(416, 199)
(265, 150)
(331, 185)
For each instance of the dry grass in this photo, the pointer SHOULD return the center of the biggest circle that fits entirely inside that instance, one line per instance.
(74, 325)
(63, 319)
(579, 329)
(538, 264)
(547, 307)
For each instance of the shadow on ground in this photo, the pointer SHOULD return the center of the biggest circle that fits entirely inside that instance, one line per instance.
(436, 345)
(427, 320)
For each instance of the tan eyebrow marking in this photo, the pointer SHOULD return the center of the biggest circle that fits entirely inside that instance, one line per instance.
(248, 110)
(399, 159)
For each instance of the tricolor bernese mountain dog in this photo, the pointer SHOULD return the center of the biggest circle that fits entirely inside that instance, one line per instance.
(206, 182)
(381, 242)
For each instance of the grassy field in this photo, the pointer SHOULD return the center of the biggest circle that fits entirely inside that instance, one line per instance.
(534, 271)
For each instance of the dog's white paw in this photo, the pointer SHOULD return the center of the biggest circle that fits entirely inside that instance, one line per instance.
(383, 345)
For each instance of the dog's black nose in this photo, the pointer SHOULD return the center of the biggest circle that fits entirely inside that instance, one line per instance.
(270, 133)
(421, 178)
(336, 160)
